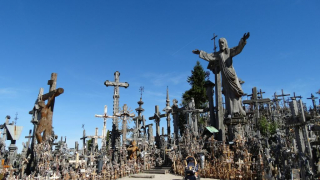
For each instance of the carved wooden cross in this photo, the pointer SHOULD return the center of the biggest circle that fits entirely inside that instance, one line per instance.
(156, 117)
(124, 114)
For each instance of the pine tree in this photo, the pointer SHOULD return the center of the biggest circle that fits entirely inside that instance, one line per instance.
(197, 91)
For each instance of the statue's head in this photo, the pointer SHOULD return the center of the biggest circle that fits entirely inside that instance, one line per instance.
(223, 44)
(133, 143)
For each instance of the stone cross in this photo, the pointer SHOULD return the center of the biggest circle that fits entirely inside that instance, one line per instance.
(156, 117)
(124, 114)
(104, 131)
(116, 84)
(168, 111)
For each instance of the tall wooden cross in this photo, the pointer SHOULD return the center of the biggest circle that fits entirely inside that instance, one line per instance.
(156, 117)
(116, 84)
(104, 131)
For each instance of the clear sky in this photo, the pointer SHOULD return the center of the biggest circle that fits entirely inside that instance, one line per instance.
(149, 42)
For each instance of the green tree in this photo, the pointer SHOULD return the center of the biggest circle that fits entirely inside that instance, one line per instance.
(108, 139)
(197, 91)
(90, 143)
(267, 128)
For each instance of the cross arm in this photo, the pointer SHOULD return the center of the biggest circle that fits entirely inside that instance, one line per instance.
(120, 84)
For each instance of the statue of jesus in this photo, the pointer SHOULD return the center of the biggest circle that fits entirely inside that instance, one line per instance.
(230, 83)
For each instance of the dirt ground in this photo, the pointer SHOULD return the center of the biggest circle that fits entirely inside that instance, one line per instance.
(160, 177)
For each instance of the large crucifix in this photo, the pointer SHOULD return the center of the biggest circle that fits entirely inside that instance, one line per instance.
(156, 117)
(116, 96)
(46, 110)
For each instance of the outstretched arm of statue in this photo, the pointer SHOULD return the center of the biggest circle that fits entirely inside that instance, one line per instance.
(243, 41)
(204, 55)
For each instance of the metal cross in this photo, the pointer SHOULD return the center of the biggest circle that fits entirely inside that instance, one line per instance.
(141, 90)
(214, 42)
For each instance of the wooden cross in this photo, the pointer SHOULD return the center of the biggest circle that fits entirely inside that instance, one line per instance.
(283, 95)
(313, 98)
(260, 94)
(95, 137)
(295, 97)
(255, 101)
(156, 117)
(276, 100)
(239, 163)
(124, 114)
(104, 131)
(84, 142)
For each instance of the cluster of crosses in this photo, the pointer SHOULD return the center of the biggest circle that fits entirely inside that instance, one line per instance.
(277, 138)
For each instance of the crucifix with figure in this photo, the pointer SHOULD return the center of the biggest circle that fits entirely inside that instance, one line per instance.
(115, 129)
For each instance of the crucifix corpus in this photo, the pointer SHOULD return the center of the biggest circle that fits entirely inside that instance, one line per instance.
(46, 112)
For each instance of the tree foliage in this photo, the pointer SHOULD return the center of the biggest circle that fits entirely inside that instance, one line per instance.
(267, 128)
(197, 91)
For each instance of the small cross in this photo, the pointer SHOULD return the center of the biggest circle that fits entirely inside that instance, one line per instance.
(214, 42)
(141, 90)
(16, 118)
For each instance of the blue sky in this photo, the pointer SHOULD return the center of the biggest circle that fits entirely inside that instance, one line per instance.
(149, 42)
